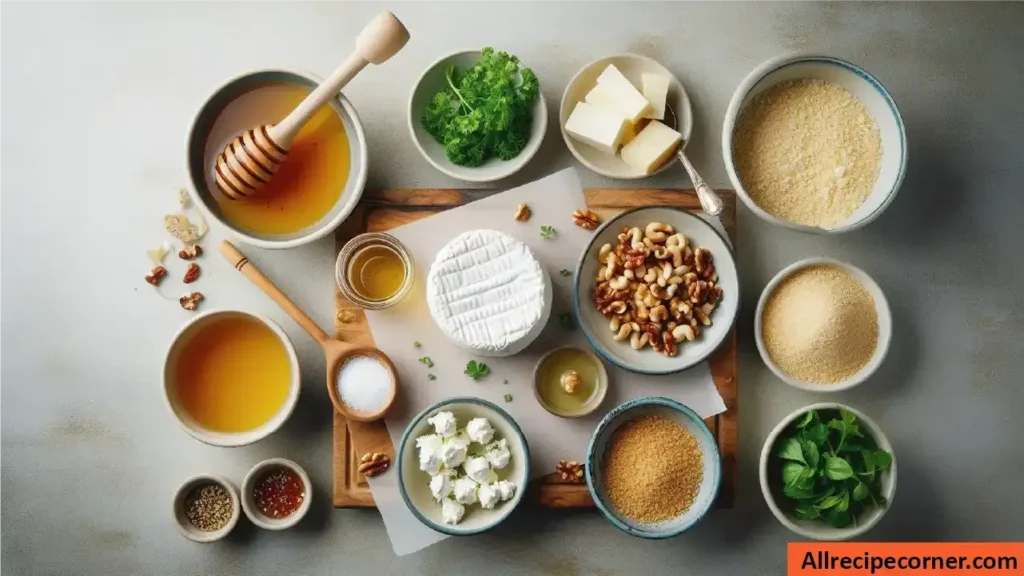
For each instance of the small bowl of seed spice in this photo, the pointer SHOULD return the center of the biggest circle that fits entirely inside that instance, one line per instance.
(206, 508)
(653, 468)
(822, 325)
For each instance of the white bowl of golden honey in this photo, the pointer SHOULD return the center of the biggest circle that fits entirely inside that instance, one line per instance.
(230, 378)
(315, 188)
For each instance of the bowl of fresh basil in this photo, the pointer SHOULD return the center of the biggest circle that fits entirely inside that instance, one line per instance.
(828, 472)
(477, 115)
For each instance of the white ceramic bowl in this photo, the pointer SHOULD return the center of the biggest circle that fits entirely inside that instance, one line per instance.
(185, 526)
(248, 101)
(433, 81)
(647, 361)
(632, 67)
(187, 422)
(881, 308)
(771, 487)
(252, 511)
(858, 82)
(413, 483)
(601, 442)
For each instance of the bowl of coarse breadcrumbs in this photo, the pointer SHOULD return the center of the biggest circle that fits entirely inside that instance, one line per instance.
(814, 143)
(653, 468)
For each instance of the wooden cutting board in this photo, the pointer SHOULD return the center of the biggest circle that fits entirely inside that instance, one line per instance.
(382, 210)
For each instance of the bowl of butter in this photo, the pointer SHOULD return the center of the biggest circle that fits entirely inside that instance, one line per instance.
(624, 116)
(463, 465)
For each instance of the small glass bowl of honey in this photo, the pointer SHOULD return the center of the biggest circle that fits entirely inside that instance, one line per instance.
(374, 271)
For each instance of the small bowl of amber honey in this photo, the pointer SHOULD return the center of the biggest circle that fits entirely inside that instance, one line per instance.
(276, 494)
(374, 271)
(570, 382)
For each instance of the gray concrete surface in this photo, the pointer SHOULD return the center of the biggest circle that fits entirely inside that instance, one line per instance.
(96, 102)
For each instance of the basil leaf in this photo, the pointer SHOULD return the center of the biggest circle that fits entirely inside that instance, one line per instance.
(808, 416)
(810, 452)
(821, 497)
(829, 502)
(805, 511)
(790, 450)
(838, 468)
(869, 464)
(816, 433)
(860, 492)
(839, 518)
(844, 502)
(792, 473)
(882, 459)
(798, 492)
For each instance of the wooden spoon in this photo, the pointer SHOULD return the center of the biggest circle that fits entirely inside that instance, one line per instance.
(335, 351)
(250, 160)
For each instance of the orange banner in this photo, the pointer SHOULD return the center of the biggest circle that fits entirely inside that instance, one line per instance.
(904, 558)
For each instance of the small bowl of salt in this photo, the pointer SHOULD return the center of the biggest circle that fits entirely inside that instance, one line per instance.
(364, 385)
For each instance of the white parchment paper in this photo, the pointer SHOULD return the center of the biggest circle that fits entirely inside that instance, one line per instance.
(552, 201)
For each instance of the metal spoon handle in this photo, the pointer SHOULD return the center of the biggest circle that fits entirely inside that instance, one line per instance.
(709, 201)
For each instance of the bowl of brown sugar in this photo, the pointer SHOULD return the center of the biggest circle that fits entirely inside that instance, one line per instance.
(653, 468)
(822, 325)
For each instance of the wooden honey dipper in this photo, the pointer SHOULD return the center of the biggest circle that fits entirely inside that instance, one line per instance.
(250, 160)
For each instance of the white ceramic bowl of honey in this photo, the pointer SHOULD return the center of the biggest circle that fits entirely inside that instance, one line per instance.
(230, 378)
(276, 494)
(316, 187)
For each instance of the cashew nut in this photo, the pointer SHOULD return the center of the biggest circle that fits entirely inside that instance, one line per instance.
(640, 271)
(641, 291)
(638, 341)
(637, 235)
(634, 326)
(641, 311)
(683, 332)
(658, 292)
(611, 262)
(671, 290)
(602, 274)
(649, 244)
(617, 307)
(680, 270)
(603, 253)
(689, 278)
(659, 313)
(624, 331)
(674, 280)
(651, 275)
(671, 325)
(676, 240)
(677, 254)
(618, 283)
(614, 324)
(656, 231)
(662, 253)
(628, 274)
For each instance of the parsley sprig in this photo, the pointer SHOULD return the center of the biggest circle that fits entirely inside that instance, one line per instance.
(477, 370)
(547, 232)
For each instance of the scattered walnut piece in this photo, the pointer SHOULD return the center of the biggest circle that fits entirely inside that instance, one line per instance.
(156, 275)
(192, 273)
(570, 471)
(190, 252)
(585, 219)
(374, 463)
(523, 213)
(190, 301)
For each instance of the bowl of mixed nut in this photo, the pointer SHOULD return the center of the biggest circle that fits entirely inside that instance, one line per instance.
(656, 290)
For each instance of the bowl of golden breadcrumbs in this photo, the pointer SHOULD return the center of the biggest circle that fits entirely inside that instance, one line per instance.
(822, 325)
(653, 468)
(814, 143)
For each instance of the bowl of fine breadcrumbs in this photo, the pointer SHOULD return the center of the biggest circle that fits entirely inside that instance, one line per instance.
(814, 143)
(822, 325)
(653, 468)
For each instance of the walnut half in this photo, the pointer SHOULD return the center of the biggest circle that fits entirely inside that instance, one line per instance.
(374, 463)
(522, 213)
(570, 471)
(585, 219)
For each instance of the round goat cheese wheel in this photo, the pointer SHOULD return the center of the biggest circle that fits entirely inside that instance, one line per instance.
(488, 293)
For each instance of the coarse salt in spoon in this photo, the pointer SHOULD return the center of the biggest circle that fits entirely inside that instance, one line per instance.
(249, 161)
(365, 396)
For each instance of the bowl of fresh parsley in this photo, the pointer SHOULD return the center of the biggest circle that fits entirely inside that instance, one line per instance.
(477, 115)
(828, 472)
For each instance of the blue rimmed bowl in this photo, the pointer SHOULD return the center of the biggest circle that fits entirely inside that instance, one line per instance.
(647, 361)
(865, 88)
(601, 442)
(413, 483)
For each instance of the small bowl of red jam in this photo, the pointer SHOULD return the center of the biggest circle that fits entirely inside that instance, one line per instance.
(276, 494)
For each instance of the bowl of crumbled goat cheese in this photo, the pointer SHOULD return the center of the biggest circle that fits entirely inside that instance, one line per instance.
(814, 143)
(463, 465)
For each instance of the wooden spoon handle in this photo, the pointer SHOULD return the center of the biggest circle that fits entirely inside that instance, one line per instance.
(381, 39)
(243, 265)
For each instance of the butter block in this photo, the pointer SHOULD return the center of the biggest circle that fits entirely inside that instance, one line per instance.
(651, 147)
(655, 88)
(598, 127)
(626, 96)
